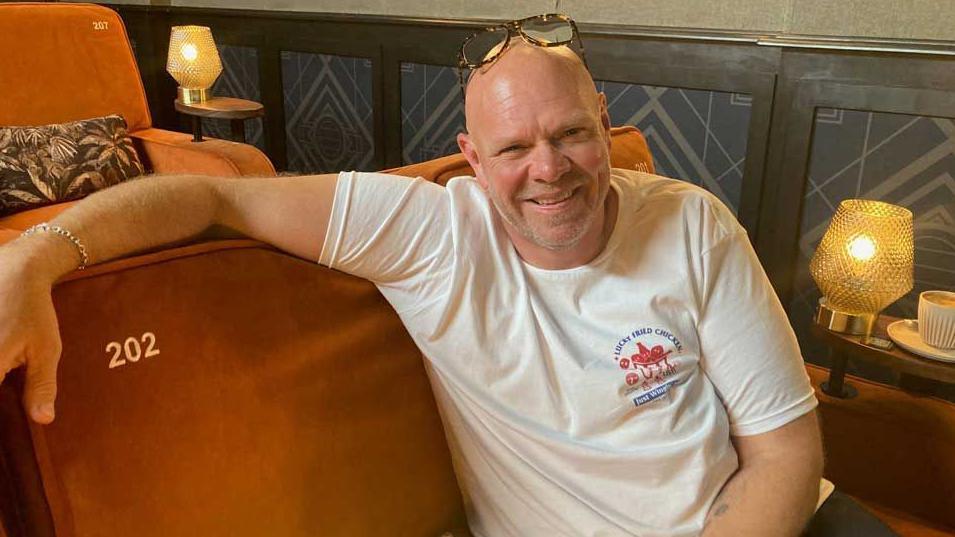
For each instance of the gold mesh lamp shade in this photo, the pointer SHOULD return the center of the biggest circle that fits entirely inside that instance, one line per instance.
(193, 61)
(864, 263)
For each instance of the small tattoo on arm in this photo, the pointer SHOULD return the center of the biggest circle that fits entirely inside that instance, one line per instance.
(715, 513)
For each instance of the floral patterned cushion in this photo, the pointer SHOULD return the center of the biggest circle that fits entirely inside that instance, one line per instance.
(55, 163)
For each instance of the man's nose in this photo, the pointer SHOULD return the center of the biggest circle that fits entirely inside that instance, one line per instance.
(548, 163)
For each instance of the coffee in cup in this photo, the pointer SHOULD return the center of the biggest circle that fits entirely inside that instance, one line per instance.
(937, 318)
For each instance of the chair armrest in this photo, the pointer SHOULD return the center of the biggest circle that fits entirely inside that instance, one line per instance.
(890, 448)
(7, 235)
(169, 152)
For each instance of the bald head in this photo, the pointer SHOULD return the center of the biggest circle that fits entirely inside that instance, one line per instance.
(539, 142)
(525, 73)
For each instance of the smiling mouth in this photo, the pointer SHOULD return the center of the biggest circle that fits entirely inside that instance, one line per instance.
(552, 200)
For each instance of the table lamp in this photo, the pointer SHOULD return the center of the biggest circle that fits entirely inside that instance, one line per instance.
(193, 61)
(864, 263)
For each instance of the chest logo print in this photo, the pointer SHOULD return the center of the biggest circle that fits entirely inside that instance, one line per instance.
(644, 356)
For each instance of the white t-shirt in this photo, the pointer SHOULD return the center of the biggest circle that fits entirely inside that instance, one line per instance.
(593, 401)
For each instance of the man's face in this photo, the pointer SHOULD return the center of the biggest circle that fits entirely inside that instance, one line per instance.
(539, 144)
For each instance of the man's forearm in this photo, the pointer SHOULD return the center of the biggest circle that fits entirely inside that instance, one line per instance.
(775, 490)
(764, 499)
(126, 218)
(291, 213)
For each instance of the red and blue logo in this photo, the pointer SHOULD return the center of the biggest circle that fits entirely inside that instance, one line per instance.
(646, 357)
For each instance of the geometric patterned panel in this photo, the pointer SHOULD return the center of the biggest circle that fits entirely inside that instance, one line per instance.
(694, 135)
(432, 112)
(896, 158)
(697, 136)
(329, 119)
(239, 79)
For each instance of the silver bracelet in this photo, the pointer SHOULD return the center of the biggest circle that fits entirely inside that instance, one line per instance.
(84, 257)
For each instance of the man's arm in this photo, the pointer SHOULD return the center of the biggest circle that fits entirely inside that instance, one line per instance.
(775, 489)
(291, 213)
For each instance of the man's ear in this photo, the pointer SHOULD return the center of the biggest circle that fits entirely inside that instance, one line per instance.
(604, 114)
(469, 150)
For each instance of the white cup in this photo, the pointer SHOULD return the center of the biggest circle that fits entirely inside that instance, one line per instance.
(937, 318)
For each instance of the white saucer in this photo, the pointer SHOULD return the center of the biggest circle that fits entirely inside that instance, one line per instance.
(906, 334)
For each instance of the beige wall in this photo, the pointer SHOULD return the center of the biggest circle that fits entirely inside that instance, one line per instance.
(905, 19)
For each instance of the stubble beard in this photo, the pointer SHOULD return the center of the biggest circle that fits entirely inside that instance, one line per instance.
(573, 225)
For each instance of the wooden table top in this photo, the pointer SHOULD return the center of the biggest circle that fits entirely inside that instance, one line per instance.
(222, 108)
(897, 359)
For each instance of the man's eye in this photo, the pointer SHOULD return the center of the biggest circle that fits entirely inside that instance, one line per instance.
(511, 149)
(573, 132)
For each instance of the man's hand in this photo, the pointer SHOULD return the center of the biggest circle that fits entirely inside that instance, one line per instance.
(29, 334)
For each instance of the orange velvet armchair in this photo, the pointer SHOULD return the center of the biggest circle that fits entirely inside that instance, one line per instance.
(227, 388)
(64, 62)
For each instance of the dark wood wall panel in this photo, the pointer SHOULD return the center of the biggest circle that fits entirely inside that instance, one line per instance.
(881, 82)
(699, 65)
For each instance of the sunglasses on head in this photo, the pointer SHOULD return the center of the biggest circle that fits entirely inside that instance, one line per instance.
(485, 46)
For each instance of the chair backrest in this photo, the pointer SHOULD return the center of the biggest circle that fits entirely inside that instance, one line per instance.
(63, 62)
(279, 399)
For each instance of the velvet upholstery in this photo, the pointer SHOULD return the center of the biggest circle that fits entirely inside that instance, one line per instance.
(63, 62)
(21, 221)
(906, 525)
(7, 235)
(304, 411)
(169, 152)
(894, 451)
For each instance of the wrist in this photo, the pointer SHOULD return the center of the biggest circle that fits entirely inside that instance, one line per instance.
(66, 234)
(40, 257)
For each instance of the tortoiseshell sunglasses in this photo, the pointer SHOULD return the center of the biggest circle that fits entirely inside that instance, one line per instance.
(485, 46)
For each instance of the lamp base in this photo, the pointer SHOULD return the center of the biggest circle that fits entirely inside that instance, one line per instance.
(846, 323)
(193, 96)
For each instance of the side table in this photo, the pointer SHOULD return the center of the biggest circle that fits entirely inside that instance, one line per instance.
(916, 374)
(235, 110)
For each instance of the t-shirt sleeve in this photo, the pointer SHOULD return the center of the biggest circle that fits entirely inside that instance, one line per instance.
(393, 231)
(749, 350)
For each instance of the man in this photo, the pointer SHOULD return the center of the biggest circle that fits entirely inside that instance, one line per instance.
(607, 354)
